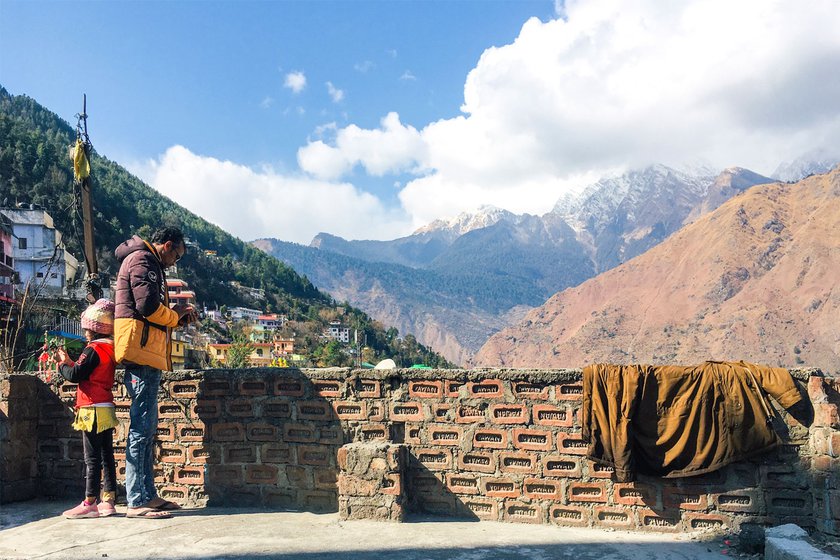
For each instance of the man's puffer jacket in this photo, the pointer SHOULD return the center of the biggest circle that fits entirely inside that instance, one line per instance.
(142, 318)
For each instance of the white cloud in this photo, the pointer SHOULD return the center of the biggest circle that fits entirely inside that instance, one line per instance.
(613, 84)
(267, 102)
(364, 67)
(407, 76)
(335, 94)
(393, 148)
(253, 204)
(295, 81)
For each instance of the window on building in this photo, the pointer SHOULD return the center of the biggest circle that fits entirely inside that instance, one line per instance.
(54, 275)
(39, 275)
(21, 243)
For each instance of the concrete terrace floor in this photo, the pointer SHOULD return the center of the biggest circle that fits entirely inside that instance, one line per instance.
(36, 529)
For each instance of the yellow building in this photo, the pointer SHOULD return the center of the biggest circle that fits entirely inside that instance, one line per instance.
(260, 353)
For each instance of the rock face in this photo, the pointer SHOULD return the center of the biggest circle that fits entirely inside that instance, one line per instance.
(757, 279)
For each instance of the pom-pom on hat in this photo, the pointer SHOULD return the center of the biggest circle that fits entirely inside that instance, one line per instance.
(99, 317)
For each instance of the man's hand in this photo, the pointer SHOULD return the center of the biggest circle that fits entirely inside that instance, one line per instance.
(186, 314)
(62, 358)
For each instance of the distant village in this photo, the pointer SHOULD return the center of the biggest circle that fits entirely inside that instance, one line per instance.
(35, 263)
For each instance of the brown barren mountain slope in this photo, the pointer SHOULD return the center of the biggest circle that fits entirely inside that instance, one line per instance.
(758, 279)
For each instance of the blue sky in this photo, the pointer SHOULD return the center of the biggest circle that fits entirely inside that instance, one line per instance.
(370, 119)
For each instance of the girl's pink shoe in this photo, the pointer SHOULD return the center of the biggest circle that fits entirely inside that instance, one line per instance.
(106, 509)
(81, 511)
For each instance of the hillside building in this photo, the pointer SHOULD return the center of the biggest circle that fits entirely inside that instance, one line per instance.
(338, 332)
(39, 253)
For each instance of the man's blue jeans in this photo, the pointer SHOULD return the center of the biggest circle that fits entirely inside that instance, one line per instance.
(142, 383)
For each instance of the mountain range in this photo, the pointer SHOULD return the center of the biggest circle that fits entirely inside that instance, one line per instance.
(756, 279)
(456, 282)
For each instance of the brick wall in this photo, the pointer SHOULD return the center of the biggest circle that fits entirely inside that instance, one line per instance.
(485, 444)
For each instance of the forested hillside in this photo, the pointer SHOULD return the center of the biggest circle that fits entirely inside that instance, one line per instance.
(35, 169)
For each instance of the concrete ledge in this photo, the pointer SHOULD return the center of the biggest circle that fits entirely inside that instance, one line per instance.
(790, 542)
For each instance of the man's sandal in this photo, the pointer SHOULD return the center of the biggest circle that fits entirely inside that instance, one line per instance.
(147, 513)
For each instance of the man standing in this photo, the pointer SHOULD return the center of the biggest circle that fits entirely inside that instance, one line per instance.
(143, 323)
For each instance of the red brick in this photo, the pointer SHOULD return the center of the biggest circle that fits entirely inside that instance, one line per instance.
(216, 388)
(568, 392)
(277, 408)
(487, 389)
(571, 444)
(191, 432)
(165, 431)
(175, 493)
(412, 434)
(206, 409)
(370, 388)
(395, 457)
(185, 389)
(327, 387)
(702, 521)
(330, 435)
(684, 498)
(588, 492)
(319, 500)
(261, 474)
(189, 475)
(509, 414)
(634, 494)
(230, 431)
(519, 512)
(527, 390)
(326, 479)
(487, 510)
(490, 438)
(240, 408)
(458, 483)
(834, 447)
(826, 414)
(313, 410)
(119, 452)
(792, 502)
(465, 414)
(261, 431)
(562, 466)
(240, 454)
(171, 410)
(201, 454)
(649, 520)
(299, 433)
(406, 412)
(449, 435)
(253, 387)
(452, 387)
(288, 387)
(477, 461)
(376, 411)
(552, 415)
(499, 488)
(67, 391)
(316, 455)
(569, 515)
(534, 440)
(425, 389)
(517, 462)
(740, 501)
(542, 489)
(441, 412)
(434, 458)
(613, 517)
(373, 431)
(392, 484)
(276, 452)
(350, 410)
(170, 454)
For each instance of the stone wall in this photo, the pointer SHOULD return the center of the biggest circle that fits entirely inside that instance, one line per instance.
(483, 444)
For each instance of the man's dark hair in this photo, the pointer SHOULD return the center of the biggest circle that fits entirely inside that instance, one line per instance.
(172, 234)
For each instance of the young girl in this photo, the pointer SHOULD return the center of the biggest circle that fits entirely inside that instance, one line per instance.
(95, 415)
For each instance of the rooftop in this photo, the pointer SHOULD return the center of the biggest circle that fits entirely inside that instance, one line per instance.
(36, 528)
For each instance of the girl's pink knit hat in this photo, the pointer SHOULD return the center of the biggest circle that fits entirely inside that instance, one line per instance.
(99, 317)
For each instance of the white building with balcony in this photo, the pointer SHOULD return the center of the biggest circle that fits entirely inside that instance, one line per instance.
(39, 254)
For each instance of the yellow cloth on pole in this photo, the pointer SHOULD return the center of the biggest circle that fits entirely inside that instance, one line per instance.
(106, 418)
(81, 165)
